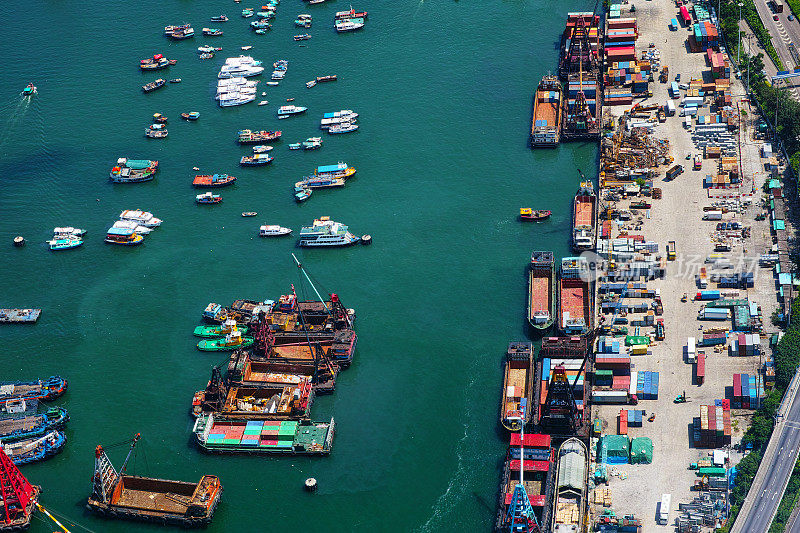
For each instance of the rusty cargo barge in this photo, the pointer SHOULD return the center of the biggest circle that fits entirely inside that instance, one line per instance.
(579, 66)
(161, 501)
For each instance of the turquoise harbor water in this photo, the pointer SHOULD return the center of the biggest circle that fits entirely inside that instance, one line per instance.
(443, 90)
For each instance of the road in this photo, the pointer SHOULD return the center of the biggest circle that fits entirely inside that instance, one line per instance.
(776, 467)
(785, 37)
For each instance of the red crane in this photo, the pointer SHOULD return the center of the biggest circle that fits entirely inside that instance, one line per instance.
(19, 496)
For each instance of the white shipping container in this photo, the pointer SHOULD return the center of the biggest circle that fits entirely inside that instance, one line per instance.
(691, 353)
(663, 509)
(670, 108)
(610, 396)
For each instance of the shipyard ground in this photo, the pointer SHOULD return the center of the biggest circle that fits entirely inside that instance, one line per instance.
(678, 217)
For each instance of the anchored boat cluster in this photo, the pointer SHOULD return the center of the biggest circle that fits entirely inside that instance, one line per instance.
(284, 354)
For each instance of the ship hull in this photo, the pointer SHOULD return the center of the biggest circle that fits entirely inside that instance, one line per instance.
(541, 285)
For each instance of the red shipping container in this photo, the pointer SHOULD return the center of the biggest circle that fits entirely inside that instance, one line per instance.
(737, 386)
(272, 442)
(532, 440)
(726, 406)
(537, 500)
(701, 368)
(531, 466)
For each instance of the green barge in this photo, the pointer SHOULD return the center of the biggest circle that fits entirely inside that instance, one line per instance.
(215, 433)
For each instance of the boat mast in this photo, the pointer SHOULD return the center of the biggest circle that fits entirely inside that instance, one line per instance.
(303, 270)
(133, 445)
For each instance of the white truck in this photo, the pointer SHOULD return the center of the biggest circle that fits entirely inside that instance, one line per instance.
(663, 509)
(691, 350)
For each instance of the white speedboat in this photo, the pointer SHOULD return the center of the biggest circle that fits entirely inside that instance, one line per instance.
(261, 148)
(69, 230)
(130, 224)
(273, 231)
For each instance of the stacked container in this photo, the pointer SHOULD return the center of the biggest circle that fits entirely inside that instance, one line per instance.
(713, 428)
(748, 391)
(572, 367)
(704, 36)
(647, 385)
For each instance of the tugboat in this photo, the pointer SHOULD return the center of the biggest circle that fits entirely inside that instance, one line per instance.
(31, 450)
(208, 198)
(231, 341)
(29, 90)
(517, 386)
(118, 495)
(41, 389)
(214, 332)
(156, 131)
(153, 85)
(526, 213)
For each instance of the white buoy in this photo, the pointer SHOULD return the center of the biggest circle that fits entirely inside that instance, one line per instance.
(311, 484)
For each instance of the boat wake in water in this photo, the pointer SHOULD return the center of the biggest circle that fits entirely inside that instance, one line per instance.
(15, 111)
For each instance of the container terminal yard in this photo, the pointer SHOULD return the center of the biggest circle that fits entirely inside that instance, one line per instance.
(688, 267)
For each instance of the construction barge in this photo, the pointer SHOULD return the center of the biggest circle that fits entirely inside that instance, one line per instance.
(517, 386)
(569, 500)
(546, 122)
(118, 495)
(215, 433)
(584, 218)
(575, 297)
(41, 389)
(244, 371)
(19, 316)
(579, 66)
(541, 291)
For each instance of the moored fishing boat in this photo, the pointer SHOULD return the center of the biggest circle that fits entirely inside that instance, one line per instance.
(584, 217)
(182, 33)
(208, 198)
(255, 137)
(156, 131)
(193, 115)
(215, 331)
(157, 62)
(302, 37)
(31, 450)
(255, 160)
(319, 182)
(575, 297)
(326, 232)
(133, 170)
(158, 118)
(212, 32)
(569, 500)
(219, 434)
(231, 341)
(214, 180)
(515, 409)
(339, 170)
(26, 423)
(65, 243)
(220, 18)
(546, 123)
(40, 389)
(118, 495)
(153, 85)
(247, 12)
(123, 236)
(541, 291)
(526, 213)
(301, 194)
(206, 55)
(350, 14)
(289, 110)
(273, 231)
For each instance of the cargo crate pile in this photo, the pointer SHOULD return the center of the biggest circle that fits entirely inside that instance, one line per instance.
(748, 391)
(628, 151)
(712, 429)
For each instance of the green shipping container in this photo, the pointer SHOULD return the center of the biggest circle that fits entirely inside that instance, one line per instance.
(713, 471)
(230, 441)
(600, 373)
(630, 340)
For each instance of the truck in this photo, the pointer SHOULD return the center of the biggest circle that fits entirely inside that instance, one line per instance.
(712, 215)
(714, 313)
(673, 24)
(689, 111)
(663, 509)
(670, 108)
(674, 90)
(673, 172)
(664, 74)
(698, 162)
(671, 251)
(691, 350)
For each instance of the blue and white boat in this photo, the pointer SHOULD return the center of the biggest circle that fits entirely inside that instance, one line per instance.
(35, 449)
(324, 232)
(302, 194)
(289, 110)
(21, 420)
(295, 146)
(65, 243)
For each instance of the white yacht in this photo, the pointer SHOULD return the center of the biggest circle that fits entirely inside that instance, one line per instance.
(143, 218)
(234, 71)
(273, 231)
(232, 99)
(135, 226)
(326, 232)
(69, 231)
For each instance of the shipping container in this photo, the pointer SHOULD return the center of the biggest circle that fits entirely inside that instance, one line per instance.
(610, 396)
(670, 108)
(691, 350)
(666, 499)
(673, 25)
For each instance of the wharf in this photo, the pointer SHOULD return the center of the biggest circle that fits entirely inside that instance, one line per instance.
(19, 316)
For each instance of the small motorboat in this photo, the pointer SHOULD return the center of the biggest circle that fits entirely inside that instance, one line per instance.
(302, 194)
(273, 231)
(176, 80)
(193, 115)
(220, 18)
(526, 213)
(290, 99)
(263, 102)
(208, 198)
(247, 12)
(29, 90)
(158, 118)
(312, 143)
(68, 231)
(262, 148)
(205, 49)
(272, 83)
(249, 214)
(65, 243)
(206, 55)
(311, 83)
(212, 32)
(264, 93)
(302, 37)
(295, 146)
(247, 47)
(262, 31)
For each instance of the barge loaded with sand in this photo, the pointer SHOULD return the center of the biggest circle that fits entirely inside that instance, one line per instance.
(541, 291)
(584, 216)
(546, 124)
(575, 297)
(569, 500)
(517, 386)
(162, 501)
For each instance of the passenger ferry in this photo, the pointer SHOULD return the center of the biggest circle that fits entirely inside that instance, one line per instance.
(143, 218)
(326, 232)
